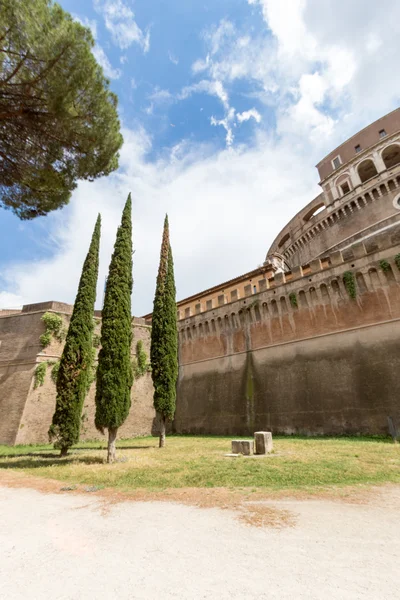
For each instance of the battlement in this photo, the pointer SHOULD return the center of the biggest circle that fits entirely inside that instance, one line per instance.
(355, 257)
(318, 285)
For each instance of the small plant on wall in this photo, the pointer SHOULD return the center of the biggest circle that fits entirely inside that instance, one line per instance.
(397, 260)
(293, 300)
(384, 265)
(350, 284)
(54, 328)
(40, 374)
(140, 365)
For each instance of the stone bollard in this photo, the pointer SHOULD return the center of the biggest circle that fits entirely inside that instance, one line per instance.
(242, 447)
(263, 442)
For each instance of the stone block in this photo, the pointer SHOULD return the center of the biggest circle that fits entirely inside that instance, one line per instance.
(242, 447)
(297, 272)
(336, 258)
(263, 442)
(279, 278)
(315, 265)
(359, 250)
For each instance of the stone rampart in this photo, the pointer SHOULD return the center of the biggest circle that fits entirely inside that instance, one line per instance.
(302, 356)
(27, 412)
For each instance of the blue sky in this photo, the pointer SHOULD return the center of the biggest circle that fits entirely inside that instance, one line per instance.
(226, 106)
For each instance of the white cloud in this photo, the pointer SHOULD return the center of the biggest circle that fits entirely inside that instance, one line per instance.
(213, 88)
(173, 58)
(103, 61)
(8, 300)
(120, 21)
(249, 114)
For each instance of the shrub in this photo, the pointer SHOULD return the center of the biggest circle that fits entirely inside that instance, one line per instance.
(40, 374)
(350, 284)
(293, 300)
(384, 265)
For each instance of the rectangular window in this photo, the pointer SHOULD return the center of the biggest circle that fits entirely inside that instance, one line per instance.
(221, 300)
(198, 308)
(187, 312)
(247, 290)
(382, 133)
(209, 304)
(336, 162)
(358, 148)
(234, 295)
(254, 289)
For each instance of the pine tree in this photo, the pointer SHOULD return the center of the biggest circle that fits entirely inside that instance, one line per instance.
(76, 361)
(164, 338)
(114, 371)
(59, 119)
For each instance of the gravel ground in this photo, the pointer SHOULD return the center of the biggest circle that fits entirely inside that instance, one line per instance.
(68, 547)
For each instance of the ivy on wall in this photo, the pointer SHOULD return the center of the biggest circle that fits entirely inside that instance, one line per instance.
(39, 375)
(140, 365)
(397, 260)
(54, 372)
(350, 284)
(384, 265)
(293, 300)
(54, 328)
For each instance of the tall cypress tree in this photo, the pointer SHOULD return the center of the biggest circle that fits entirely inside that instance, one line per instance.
(164, 338)
(76, 360)
(114, 371)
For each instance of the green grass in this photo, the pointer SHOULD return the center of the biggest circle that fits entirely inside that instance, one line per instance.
(187, 461)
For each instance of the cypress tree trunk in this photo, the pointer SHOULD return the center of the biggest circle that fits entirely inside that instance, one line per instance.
(164, 338)
(114, 370)
(112, 436)
(77, 357)
(162, 432)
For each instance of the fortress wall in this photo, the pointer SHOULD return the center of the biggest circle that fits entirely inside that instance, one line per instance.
(19, 346)
(29, 411)
(328, 365)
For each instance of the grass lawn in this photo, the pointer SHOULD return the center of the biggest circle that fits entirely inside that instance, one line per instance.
(200, 462)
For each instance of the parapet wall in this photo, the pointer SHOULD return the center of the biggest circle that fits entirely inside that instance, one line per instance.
(302, 356)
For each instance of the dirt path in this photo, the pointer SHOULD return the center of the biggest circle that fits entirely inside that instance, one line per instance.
(76, 547)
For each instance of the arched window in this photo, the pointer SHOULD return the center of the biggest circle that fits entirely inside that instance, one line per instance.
(366, 170)
(391, 156)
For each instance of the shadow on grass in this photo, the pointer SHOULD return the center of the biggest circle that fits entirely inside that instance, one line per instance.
(119, 447)
(47, 460)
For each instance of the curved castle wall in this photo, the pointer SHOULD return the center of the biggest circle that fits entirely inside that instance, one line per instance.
(302, 357)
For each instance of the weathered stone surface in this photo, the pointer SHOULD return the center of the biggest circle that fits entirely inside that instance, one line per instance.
(242, 447)
(263, 442)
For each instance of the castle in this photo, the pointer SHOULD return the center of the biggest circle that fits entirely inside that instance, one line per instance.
(307, 343)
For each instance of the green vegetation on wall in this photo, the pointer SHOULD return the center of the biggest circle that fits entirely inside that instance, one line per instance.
(397, 260)
(350, 284)
(54, 328)
(140, 364)
(39, 375)
(293, 300)
(384, 265)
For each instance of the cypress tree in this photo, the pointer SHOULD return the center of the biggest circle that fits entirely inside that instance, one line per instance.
(164, 338)
(77, 357)
(114, 371)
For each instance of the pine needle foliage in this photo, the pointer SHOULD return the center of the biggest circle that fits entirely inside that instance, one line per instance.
(114, 370)
(77, 357)
(164, 337)
(59, 119)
